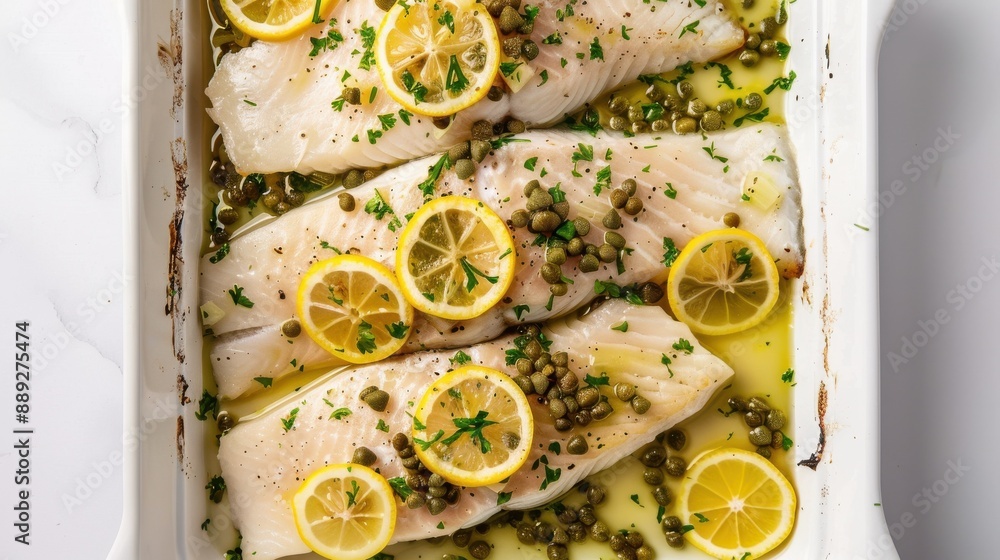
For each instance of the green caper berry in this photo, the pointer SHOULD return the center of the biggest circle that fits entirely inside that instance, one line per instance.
(726, 106)
(782, 16)
(645, 552)
(436, 491)
(577, 445)
(760, 436)
(749, 58)
(545, 221)
(515, 126)
(250, 188)
(351, 95)
(346, 202)
(652, 476)
(675, 466)
(576, 245)
(282, 208)
(272, 199)
(465, 168)
(480, 149)
(624, 391)
(630, 186)
(482, 130)
(559, 290)
(753, 102)
(436, 505)
(510, 20)
(672, 102)
(590, 249)
(519, 218)
(618, 105)
(634, 539)
(495, 7)
(617, 542)
(747, 3)
(225, 422)
(653, 455)
(612, 220)
(600, 532)
(650, 293)
(353, 178)
(737, 403)
(615, 239)
(436, 480)
(367, 391)
(640, 404)
(411, 463)
(731, 219)
(635, 113)
(696, 108)
(530, 187)
(220, 236)
(385, 5)
(529, 50)
(588, 396)
(533, 349)
(416, 481)
(753, 42)
(561, 209)
(582, 226)
(568, 384)
(407, 453)
(540, 383)
(462, 537)
(494, 94)
(378, 400)
(524, 382)
(618, 198)
(524, 366)
(639, 127)
(587, 515)
(601, 410)
(551, 273)
(589, 263)
(556, 256)
(764, 451)
(228, 216)
(618, 123)
(525, 533)
(563, 424)
(685, 125)
(295, 199)
(512, 47)
(510, 440)
(557, 408)
(538, 199)
(483, 528)
(660, 125)
(364, 456)
(775, 420)
(676, 116)
(662, 496)
(459, 151)
(675, 539)
(758, 404)
(556, 552)
(655, 94)
(685, 89)
(400, 441)
(234, 196)
(607, 253)
(753, 419)
(777, 440)
(711, 121)
(676, 440)
(768, 47)
(595, 495)
(633, 206)
(415, 501)
(768, 27)
(671, 523)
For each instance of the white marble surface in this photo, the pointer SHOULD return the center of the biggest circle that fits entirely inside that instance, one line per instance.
(61, 245)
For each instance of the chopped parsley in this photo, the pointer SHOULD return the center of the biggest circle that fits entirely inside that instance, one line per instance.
(264, 381)
(398, 330)
(239, 299)
(529, 163)
(508, 68)
(329, 42)
(471, 273)
(461, 358)
(690, 28)
(597, 381)
(289, 421)
(503, 498)
(683, 345)
(433, 173)
(670, 191)
(447, 20)
(338, 413)
(378, 207)
(725, 74)
(622, 327)
(781, 82)
(744, 256)
(367, 33)
(220, 254)
(352, 494)
(366, 338)
(596, 50)
(590, 123)
(554, 39)
(216, 488)
(208, 403)
(455, 82)
(414, 87)
(670, 252)
(755, 117)
(382, 426)
(400, 487)
(788, 375)
(520, 309)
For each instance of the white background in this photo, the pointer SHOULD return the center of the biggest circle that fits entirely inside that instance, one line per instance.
(61, 249)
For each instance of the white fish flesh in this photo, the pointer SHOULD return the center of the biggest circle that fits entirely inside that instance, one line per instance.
(263, 464)
(273, 102)
(269, 262)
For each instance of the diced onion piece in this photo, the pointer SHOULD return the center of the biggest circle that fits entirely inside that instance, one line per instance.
(760, 190)
(519, 77)
(211, 314)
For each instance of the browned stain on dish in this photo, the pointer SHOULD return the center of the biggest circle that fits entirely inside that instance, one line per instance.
(813, 461)
(182, 387)
(170, 57)
(180, 441)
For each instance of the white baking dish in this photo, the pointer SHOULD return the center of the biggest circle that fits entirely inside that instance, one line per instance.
(831, 115)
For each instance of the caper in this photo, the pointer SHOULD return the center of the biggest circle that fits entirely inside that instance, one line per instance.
(406, 453)
(768, 27)
(385, 5)
(582, 226)
(465, 168)
(633, 206)
(415, 501)
(228, 216)
(639, 127)
(662, 496)
(459, 151)
(378, 400)
(652, 476)
(653, 455)
(364, 456)
(618, 123)
(753, 42)
(563, 424)
(577, 445)
(685, 125)
(607, 253)
(587, 515)
(764, 451)
(725, 106)
(675, 466)
(731, 219)
(512, 47)
(462, 537)
(515, 126)
(612, 220)
(540, 383)
(351, 95)
(220, 175)
(760, 436)
(234, 196)
(618, 198)
(753, 419)
(225, 422)
(353, 178)
(567, 515)
(753, 102)
(410, 463)
(436, 491)
(529, 50)
(617, 542)
(676, 440)
(367, 391)
(545, 221)
(595, 495)
(768, 47)
(618, 105)
(220, 236)
(711, 121)
(758, 404)
(295, 198)
(589, 263)
(556, 256)
(588, 396)
(494, 94)
(556, 552)
(561, 209)
(650, 293)
(557, 408)
(483, 528)
(559, 290)
(675, 539)
(775, 420)
(634, 539)
(480, 149)
(635, 113)
(749, 58)
(400, 441)
(480, 550)
(601, 410)
(510, 20)
(660, 125)
(640, 404)
(576, 245)
(551, 273)
(685, 89)
(645, 552)
(676, 116)
(436, 505)
(416, 481)
(600, 531)
(538, 198)
(482, 130)
(568, 384)
(747, 3)
(524, 366)
(519, 218)
(282, 208)
(525, 533)
(624, 391)
(777, 440)
(671, 523)
(737, 403)
(696, 108)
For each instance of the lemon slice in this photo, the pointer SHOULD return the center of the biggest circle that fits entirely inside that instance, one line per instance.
(345, 512)
(455, 258)
(437, 58)
(723, 282)
(354, 308)
(473, 427)
(738, 503)
(275, 20)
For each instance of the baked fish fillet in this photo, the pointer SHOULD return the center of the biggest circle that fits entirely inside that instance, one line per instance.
(263, 464)
(273, 102)
(269, 262)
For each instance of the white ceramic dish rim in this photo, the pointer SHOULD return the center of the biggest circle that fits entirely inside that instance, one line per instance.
(832, 121)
